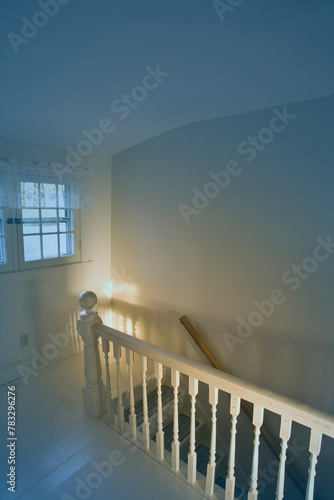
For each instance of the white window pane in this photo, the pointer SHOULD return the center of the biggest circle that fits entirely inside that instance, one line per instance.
(49, 221)
(48, 195)
(61, 195)
(30, 221)
(48, 227)
(50, 246)
(30, 213)
(2, 224)
(30, 228)
(66, 244)
(64, 196)
(29, 194)
(32, 248)
(49, 214)
(65, 220)
(2, 251)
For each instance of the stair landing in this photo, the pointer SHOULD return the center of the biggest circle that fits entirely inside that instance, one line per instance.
(59, 447)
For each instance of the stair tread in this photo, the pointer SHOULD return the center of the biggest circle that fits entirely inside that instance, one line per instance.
(167, 395)
(184, 431)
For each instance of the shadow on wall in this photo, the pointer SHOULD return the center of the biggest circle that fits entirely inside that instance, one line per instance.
(158, 327)
(164, 329)
(312, 363)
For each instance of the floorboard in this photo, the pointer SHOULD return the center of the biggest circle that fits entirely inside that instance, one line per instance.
(60, 450)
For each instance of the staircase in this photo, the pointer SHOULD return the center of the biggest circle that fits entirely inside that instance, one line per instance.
(184, 421)
(202, 449)
(156, 404)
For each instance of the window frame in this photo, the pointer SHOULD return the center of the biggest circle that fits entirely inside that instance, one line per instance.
(50, 261)
(14, 238)
(7, 237)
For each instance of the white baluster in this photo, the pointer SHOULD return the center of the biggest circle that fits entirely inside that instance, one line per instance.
(192, 455)
(257, 422)
(230, 480)
(211, 469)
(106, 348)
(132, 417)
(285, 433)
(160, 451)
(93, 393)
(120, 408)
(314, 448)
(146, 423)
(175, 378)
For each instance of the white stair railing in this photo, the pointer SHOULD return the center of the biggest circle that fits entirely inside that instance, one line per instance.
(176, 443)
(285, 433)
(230, 480)
(160, 451)
(146, 423)
(210, 474)
(132, 417)
(192, 455)
(97, 400)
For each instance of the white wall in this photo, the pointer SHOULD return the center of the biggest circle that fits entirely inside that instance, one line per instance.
(236, 249)
(234, 252)
(44, 301)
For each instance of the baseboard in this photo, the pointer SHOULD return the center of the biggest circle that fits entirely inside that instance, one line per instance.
(29, 365)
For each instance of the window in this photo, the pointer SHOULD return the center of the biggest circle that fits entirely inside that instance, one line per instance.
(2, 239)
(40, 206)
(6, 257)
(46, 230)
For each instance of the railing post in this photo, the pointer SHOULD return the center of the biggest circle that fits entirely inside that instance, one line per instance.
(146, 423)
(175, 376)
(257, 422)
(285, 433)
(132, 416)
(230, 480)
(93, 393)
(160, 449)
(120, 407)
(192, 455)
(314, 448)
(211, 468)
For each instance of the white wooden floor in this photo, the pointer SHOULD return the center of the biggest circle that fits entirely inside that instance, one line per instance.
(58, 446)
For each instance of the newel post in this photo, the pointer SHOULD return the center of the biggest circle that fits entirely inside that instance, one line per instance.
(93, 393)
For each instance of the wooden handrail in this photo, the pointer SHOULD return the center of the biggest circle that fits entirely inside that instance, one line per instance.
(271, 401)
(200, 343)
(90, 328)
(246, 407)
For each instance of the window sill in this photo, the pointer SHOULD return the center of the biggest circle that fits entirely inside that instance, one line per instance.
(23, 274)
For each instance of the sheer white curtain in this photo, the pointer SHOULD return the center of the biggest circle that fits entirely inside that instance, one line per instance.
(15, 172)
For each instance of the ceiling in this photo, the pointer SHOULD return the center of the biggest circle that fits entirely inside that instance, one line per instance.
(64, 78)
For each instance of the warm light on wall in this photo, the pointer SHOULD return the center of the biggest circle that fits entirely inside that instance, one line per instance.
(112, 288)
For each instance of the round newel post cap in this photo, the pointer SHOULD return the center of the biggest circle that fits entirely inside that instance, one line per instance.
(87, 301)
